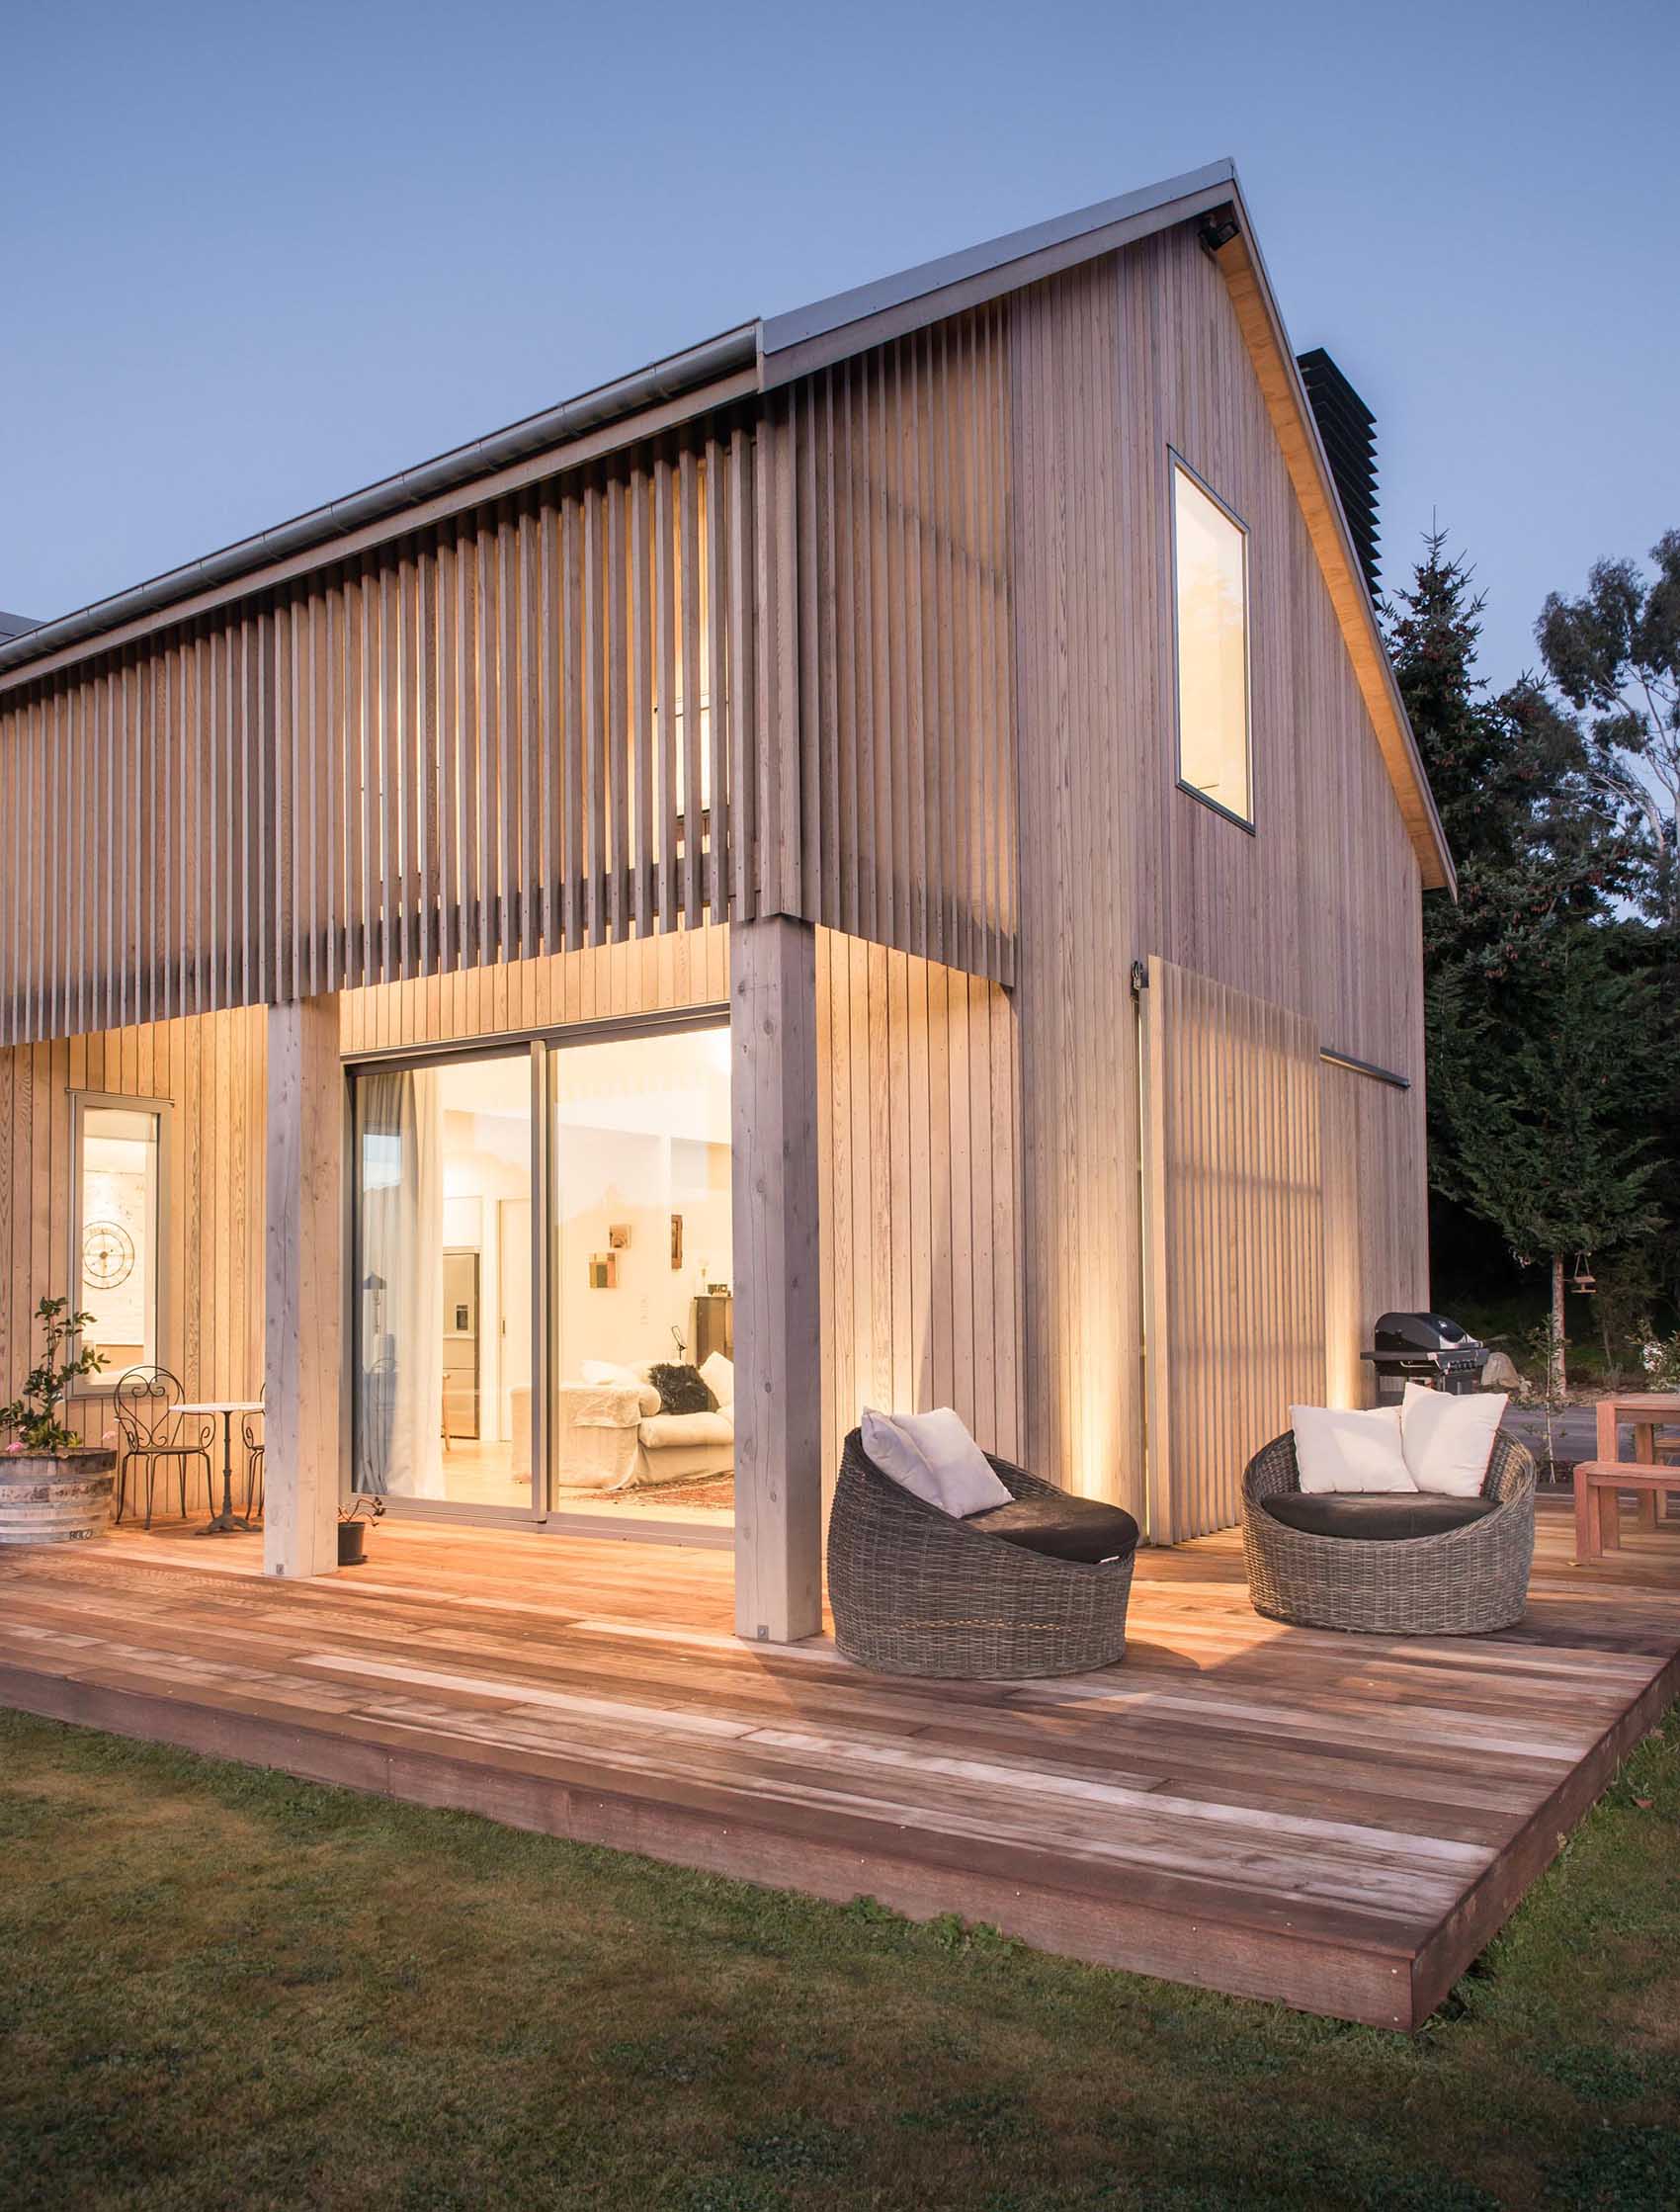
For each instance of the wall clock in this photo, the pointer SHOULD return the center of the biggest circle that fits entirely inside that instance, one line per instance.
(107, 1256)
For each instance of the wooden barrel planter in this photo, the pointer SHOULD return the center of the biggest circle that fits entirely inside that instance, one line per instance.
(50, 1501)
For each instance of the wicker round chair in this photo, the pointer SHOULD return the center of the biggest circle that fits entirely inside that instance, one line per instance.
(1464, 1581)
(915, 1593)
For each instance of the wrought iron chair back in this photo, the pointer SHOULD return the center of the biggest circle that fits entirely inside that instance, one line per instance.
(155, 1433)
(147, 1398)
(256, 1451)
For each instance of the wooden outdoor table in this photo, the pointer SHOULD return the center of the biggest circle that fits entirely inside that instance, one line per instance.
(1647, 1411)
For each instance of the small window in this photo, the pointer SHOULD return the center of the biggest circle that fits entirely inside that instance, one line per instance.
(1210, 582)
(119, 1216)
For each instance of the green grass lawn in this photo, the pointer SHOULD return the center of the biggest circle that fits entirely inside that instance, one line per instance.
(221, 1987)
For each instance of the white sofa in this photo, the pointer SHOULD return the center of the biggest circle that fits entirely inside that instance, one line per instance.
(613, 1436)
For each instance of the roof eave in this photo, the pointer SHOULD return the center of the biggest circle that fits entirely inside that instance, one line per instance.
(848, 322)
(1239, 259)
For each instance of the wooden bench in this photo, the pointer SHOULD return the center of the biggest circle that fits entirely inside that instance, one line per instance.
(1647, 1411)
(1599, 1484)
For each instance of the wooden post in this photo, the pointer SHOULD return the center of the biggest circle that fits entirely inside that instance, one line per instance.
(777, 1345)
(302, 1363)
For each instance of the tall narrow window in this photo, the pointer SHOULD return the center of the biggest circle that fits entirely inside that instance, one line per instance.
(1210, 584)
(117, 1262)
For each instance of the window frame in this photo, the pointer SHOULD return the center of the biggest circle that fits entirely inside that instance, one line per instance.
(104, 1382)
(1176, 464)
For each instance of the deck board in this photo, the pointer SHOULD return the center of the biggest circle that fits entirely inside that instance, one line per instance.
(1338, 1823)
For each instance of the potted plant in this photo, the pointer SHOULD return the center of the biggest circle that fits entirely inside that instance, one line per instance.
(353, 1528)
(53, 1488)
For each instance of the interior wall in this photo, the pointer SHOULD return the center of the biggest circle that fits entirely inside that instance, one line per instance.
(619, 1179)
(478, 1182)
(213, 1073)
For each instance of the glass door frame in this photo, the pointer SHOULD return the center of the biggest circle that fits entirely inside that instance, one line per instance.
(452, 1053)
(709, 1016)
(537, 1046)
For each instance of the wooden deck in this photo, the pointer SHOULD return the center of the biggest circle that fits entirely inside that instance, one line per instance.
(1339, 1823)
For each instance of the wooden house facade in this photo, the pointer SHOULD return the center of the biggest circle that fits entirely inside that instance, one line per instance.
(821, 689)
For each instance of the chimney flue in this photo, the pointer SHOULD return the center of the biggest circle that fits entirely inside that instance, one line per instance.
(1349, 431)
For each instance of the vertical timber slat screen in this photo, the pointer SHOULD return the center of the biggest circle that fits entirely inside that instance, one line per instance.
(889, 492)
(521, 729)
(1234, 1239)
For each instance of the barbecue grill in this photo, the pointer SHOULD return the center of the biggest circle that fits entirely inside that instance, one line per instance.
(1424, 1348)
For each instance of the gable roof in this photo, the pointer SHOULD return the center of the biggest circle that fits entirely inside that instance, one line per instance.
(796, 344)
(757, 357)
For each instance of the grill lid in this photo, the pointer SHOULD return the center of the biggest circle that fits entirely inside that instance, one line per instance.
(1422, 1332)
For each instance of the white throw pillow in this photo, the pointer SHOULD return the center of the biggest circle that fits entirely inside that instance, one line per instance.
(718, 1376)
(1338, 1449)
(933, 1456)
(1447, 1441)
(610, 1370)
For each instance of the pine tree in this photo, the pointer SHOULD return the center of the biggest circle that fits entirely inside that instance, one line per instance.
(1532, 838)
(1536, 1006)
(1534, 1104)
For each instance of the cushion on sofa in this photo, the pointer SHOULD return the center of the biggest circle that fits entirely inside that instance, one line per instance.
(1448, 1440)
(610, 1370)
(610, 1374)
(718, 1376)
(1070, 1528)
(1377, 1517)
(604, 1405)
(933, 1457)
(663, 1430)
(1341, 1450)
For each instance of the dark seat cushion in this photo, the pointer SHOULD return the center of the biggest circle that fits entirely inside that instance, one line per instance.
(1377, 1517)
(1071, 1528)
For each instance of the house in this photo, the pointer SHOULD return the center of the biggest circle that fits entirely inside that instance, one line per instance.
(879, 855)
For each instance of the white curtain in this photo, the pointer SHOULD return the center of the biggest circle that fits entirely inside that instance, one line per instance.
(399, 1264)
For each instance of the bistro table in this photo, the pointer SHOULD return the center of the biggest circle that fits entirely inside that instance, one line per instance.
(1647, 1411)
(227, 1522)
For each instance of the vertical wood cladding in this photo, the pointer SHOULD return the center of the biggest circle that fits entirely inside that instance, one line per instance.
(1316, 913)
(917, 1109)
(213, 1075)
(1234, 1239)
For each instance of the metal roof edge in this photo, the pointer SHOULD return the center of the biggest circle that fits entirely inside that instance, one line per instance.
(862, 301)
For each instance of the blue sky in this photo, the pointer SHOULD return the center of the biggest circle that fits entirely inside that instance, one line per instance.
(257, 257)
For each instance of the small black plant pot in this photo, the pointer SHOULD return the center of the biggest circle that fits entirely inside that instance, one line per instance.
(352, 1543)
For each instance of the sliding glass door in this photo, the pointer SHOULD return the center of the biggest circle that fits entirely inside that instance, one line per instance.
(543, 1308)
(444, 1303)
(641, 1277)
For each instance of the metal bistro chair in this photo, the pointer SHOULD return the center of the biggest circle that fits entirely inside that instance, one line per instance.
(155, 1433)
(256, 1449)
